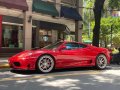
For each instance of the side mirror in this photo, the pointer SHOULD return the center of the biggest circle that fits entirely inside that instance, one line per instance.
(63, 47)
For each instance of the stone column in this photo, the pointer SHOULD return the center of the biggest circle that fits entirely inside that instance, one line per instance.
(0, 31)
(58, 6)
(54, 36)
(37, 41)
(78, 24)
(28, 27)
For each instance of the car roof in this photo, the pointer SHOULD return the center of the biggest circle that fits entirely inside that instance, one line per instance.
(73, 42)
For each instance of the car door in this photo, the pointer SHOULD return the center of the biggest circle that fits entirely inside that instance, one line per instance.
(85, 55)
(70, 55)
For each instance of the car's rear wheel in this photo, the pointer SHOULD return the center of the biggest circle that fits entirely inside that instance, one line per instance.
(45, 64)
(101, 61)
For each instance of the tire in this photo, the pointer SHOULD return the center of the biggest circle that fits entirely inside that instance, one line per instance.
(101, 62)
(45, 64)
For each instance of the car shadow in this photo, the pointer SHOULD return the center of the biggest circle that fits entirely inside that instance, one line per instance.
(66, 70)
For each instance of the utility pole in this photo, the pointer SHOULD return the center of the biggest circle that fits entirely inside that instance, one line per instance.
(111, 34)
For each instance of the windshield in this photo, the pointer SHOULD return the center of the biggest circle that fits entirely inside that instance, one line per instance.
(53, 46)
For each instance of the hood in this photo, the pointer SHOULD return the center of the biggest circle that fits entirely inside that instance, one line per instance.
(24, 53)
(41, 51)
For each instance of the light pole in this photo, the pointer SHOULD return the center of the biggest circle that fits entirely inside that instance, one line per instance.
(111, 34)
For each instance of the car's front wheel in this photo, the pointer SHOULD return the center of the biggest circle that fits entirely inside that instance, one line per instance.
(45, 64)
(101, 61)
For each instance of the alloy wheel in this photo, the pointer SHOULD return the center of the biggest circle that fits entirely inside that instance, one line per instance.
(46, 64)
(101, 62)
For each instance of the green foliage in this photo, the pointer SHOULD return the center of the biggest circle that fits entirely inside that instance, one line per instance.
(106, 22)
(106, 25)
(116, 39)
(88, 11)
(88, 18)
(114, 4)
(105, 33)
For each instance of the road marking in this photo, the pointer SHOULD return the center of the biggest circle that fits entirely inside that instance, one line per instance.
(49, 76)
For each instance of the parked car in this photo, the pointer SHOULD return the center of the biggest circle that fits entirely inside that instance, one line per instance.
(61, 55)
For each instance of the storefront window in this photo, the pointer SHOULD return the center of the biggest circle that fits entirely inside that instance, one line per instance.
(12, 36)
(45, 37)
(60, 36)
(70, 37)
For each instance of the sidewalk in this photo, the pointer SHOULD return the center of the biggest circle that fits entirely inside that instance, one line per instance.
(4, 63)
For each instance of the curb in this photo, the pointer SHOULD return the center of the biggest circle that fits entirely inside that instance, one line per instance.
(2, 66)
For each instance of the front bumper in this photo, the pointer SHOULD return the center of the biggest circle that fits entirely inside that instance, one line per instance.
(21, 64)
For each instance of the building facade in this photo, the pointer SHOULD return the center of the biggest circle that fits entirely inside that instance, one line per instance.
(26, 24)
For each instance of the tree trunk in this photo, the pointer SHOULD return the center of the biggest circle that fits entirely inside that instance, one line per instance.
(97, 14)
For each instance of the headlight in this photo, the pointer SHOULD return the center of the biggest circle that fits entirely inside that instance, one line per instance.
(25, 55)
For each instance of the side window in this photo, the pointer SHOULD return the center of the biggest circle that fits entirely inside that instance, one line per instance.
(82, 46)
(75, 45)
(70, 46)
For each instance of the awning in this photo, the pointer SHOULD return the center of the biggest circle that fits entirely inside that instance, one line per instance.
(69, 12)
(51, 26)
(44, 7)
(54, 26)
(16, 4)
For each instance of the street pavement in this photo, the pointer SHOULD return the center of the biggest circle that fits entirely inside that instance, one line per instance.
(64, 79)
(4, 63)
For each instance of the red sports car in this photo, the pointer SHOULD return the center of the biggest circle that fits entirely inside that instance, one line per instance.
(61, 55)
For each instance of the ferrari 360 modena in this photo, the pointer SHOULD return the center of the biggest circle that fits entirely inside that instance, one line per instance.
(61, 55)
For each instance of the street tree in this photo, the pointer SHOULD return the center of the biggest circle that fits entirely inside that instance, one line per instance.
(98, 7)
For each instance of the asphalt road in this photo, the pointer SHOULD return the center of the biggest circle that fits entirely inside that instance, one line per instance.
(66, 79)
